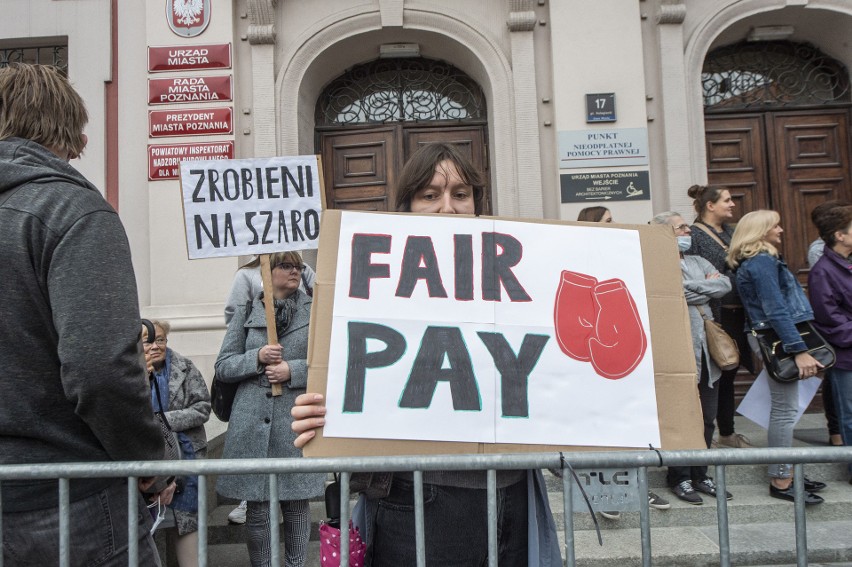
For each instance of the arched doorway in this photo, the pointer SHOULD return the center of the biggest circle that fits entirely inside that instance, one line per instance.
(777, 117)
(370, 119)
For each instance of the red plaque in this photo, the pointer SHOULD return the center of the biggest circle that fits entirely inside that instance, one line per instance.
(164, 159)
(190, 122)
(190, 89)
(183, 57)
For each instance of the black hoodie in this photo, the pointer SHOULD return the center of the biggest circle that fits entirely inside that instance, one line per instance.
(74, 387)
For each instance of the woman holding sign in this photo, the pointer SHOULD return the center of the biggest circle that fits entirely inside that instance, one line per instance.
(260, 425)
(439, 179)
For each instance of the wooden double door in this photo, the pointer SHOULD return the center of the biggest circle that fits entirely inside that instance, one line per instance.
(361, 164)
(789, 161)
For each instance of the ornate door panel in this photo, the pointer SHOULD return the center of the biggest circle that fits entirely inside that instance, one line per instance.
(359, 168)
(811, 166)
(736, 159)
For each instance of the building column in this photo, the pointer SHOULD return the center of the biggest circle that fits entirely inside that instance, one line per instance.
(261, 37)
(678, 173)
(528, 198)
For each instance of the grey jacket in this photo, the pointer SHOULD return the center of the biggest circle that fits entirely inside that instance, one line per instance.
(260, 422)
(247, 285)
(189, 401)
(698, 291)
(74, 381)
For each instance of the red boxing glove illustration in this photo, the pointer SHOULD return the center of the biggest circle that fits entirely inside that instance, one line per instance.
(574, 314)
(598, 322)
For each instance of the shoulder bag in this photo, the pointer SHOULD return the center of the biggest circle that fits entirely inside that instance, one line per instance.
(723, 349)
(222, 394)
(780, 365)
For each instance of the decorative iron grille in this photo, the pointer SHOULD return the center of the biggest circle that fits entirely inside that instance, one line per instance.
(56, 55)
(772, 73)
(400, 90)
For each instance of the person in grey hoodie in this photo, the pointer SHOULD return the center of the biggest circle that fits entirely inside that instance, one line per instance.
(74, 382)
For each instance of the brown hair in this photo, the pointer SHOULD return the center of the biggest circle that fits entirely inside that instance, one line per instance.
(38, 103)
(420, 168)
(592, 214)
(702, 195)
(823, 208)
(281, 257)
(836, 219)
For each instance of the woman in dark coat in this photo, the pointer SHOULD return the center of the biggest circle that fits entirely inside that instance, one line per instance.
(260, 422)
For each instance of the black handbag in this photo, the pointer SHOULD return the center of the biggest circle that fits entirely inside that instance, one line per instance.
(780, 365)
(222, 394)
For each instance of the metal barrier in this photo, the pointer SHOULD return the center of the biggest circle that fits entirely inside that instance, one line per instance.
(491, 463)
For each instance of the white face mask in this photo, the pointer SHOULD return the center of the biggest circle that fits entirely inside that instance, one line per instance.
(684, 243)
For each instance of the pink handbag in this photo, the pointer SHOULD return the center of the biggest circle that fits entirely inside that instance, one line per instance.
(330, 546)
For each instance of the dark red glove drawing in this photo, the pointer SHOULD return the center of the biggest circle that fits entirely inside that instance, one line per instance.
(620, 342)
(598, 322)
(574, 314)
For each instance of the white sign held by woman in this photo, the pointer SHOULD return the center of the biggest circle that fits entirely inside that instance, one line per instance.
(251, 206)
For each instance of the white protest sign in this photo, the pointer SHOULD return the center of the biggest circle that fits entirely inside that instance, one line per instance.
(757, 402)
(251, 206)
(491, 331)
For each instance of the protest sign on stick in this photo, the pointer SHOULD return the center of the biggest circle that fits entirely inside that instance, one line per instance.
(254, 206)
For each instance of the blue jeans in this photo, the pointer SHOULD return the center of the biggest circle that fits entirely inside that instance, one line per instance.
(455, 524)
(782, 418)
(97, 532)
(841, 384)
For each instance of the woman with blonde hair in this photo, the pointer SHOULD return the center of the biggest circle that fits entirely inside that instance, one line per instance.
(773, 299)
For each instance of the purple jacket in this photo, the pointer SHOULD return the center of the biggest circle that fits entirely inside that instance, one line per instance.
(830, 289)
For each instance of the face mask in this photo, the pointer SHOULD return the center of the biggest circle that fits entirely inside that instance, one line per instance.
(684, 243)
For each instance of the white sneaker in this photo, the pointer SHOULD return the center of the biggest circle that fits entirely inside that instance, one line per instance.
(238, 514)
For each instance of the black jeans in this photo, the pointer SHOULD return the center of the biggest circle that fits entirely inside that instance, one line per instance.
(709, 402)
(455, 525)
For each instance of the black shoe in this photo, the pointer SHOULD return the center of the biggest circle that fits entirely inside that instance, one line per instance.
(788, 494)
(814, 485)
(707, 486)
(685, 492)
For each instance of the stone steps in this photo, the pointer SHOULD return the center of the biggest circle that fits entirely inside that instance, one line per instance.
(761, 528)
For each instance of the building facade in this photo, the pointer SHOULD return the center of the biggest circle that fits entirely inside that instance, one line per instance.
(565, 104)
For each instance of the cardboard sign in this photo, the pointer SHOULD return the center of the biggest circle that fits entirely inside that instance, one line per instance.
(251, 206)
(446, 334)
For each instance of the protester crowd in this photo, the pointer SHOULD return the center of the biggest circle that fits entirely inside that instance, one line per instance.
(71, 345)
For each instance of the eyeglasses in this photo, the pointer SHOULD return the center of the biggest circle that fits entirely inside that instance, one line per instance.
(287, 266)
(161, 341)
(683, 226)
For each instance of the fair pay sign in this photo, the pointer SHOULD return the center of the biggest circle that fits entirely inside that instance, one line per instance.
(455, 334)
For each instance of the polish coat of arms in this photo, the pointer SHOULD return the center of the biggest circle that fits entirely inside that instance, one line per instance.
(188, 18)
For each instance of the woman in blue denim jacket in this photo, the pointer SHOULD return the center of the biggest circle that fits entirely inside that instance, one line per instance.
(774, 299)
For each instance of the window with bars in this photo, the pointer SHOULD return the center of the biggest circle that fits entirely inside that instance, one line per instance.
(56, 55)
(750, 75)
(400, 90)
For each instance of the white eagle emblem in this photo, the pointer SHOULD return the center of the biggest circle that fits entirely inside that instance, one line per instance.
(188, 12)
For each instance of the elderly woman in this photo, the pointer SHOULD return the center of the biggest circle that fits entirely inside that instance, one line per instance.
(260, 421)
(185, 401)
(774, 299)
(701, 283)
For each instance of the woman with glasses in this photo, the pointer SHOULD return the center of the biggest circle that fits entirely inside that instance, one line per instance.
(701, 284)
(260, 425)
(185, 401)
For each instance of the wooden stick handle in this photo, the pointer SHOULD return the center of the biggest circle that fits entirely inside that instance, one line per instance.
(269, 309)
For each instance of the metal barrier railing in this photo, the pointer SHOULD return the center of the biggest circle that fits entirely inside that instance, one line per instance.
(640, 460)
